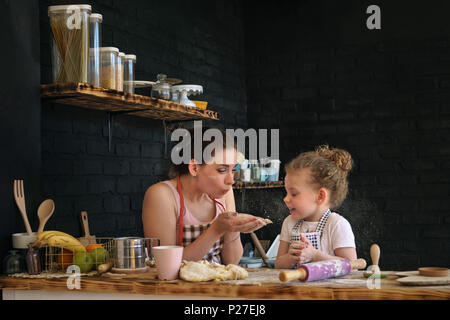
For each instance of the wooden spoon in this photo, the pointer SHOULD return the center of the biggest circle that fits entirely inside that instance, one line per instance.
(45, 211)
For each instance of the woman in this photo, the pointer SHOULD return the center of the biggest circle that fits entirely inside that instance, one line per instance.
(196, 209)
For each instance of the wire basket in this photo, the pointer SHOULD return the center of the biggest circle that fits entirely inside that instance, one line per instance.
(57, 259)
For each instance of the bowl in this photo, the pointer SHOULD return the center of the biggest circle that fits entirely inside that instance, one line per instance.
(433, 272)
(271, 262)
(21, 240)
(251, 263)
(201, 104)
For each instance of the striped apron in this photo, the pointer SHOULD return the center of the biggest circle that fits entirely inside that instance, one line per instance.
(188, 234)
(313, 237)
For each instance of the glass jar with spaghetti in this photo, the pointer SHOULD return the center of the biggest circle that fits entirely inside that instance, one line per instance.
(69, 26)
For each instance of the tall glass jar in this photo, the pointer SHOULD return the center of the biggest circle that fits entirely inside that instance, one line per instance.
(70, 42)
(128, 72)
(119, 71)
(95, 43)
(108, 70)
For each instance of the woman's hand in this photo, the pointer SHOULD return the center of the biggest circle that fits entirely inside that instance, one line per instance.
(238, 222)
(251, 227)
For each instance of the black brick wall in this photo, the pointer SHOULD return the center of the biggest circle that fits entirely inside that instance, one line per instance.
(199, 42)
(20, 129)
(316, 72)
(311, 69)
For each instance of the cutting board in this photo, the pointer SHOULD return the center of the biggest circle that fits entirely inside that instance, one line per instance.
(413, 278)
(88, 238)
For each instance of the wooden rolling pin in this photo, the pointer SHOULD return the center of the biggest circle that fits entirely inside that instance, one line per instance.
(322, 270)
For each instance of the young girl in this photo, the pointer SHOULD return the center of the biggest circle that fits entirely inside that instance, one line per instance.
(315, 182)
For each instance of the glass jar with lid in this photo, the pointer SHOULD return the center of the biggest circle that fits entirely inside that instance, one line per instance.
(14, 262)
(95, 43)
(161, 89)
(255, 172)
(69, 26)
(119, 71)
(108, 70)
(129, 61)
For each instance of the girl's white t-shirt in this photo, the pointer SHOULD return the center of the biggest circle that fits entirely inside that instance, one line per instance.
(336, 234)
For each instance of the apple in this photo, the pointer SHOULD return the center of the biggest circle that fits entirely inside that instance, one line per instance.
(84, 261)
(99, 256)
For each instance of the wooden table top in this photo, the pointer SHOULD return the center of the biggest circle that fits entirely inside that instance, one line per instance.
(261, 284)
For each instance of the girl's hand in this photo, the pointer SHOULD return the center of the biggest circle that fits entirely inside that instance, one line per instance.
(295, 251)
(308, 253)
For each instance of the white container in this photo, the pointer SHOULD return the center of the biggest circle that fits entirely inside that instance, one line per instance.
(275, 164)
(95, 43)
(119, 71)
(108, 70)
(129, 61)
(69, 26)
(21, 240)
(245, 175)
(244, 164)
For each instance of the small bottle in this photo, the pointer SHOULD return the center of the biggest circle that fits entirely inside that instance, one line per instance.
(33, 260)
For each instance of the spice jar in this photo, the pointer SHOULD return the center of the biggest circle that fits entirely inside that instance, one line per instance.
(33, 260)
(108, 70)
(128, 72)
(255, 173)
(95, 43)
(119, 71)
(13, 262)
(161, 89)
(70, 42)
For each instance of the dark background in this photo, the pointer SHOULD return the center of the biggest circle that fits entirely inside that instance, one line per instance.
(309, 68)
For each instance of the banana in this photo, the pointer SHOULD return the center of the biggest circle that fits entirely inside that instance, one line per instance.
(47, 234)
(66, 242)
(61, 239)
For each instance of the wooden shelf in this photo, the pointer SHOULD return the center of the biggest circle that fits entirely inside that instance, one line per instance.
(258, 185)
(92, 97)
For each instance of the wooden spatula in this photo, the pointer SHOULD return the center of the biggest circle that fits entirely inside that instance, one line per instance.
(87, 239)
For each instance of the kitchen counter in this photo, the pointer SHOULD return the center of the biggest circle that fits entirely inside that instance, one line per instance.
(261, 284)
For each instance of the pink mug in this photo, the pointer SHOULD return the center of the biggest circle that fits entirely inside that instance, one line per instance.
(168, 261)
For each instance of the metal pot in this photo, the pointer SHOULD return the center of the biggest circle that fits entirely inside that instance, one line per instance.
(130, 253)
